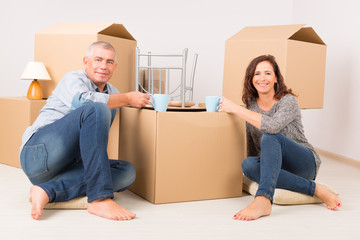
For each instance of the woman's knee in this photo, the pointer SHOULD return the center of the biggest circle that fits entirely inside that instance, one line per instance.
(250, 166)
(268, 138)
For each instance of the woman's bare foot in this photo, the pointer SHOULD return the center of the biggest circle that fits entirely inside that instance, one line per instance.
(261, 206)
(108, 208)
(39, 199)
(331, 200)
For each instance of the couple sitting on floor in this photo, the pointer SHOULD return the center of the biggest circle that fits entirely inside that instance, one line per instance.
(64, 153)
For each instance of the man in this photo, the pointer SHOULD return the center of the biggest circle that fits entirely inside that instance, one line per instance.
(64, 153)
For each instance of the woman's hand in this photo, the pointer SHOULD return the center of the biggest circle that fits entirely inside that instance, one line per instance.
(226, 105)
(249, 116)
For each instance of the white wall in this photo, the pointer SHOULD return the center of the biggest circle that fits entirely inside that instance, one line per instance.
(336, 127)
(158, 25)
(203, 27)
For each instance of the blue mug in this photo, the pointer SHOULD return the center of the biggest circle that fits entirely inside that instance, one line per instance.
(212, 103)
(159, 102)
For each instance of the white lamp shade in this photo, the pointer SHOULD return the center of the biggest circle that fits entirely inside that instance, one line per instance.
(35, 70)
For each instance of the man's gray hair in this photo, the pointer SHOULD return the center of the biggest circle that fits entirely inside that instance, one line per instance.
(102, 44)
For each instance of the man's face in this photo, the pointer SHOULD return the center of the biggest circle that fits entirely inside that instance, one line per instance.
(100, 66)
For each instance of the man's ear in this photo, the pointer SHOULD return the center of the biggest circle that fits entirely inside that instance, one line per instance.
(85, 61)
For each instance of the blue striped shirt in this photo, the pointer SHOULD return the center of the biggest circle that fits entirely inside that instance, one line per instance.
(74, 89)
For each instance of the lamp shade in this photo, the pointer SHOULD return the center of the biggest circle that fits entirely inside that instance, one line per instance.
(35, 70)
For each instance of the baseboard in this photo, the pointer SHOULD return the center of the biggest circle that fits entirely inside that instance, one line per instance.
(337, 157)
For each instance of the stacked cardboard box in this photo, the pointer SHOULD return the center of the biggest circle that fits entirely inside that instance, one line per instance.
(17, 114)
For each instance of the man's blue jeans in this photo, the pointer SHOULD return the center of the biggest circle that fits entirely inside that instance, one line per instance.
(283, 164)
(68, 158)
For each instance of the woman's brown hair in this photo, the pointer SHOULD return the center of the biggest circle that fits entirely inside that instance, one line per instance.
(249, 91)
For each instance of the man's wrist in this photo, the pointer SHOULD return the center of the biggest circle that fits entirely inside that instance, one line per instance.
(125, 98)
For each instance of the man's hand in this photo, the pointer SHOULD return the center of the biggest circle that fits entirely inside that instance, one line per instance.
(138, 99)
(134, 99)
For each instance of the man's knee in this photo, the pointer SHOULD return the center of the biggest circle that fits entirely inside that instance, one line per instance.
(101, 110)
(126, 177)
(131, 173)
(100, 107)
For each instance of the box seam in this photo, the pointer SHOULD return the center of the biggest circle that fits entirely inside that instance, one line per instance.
(156, 151)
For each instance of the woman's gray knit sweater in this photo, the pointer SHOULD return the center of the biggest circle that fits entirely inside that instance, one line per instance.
(285, 118)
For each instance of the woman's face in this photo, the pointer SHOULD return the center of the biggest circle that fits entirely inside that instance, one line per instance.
(264, 78)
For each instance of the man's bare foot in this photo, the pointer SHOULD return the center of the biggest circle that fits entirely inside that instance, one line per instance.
(39, 199)
(331, 200)
(108, 208)
(261, 206)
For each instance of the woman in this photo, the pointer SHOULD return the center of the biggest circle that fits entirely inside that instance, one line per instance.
(279, 155)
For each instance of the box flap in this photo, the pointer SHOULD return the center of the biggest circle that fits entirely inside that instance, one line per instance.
(267, 32)
(117, 30)
(307, 35)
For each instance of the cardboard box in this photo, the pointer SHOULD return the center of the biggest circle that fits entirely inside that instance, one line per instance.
(183, 156)
(19, 113)
(299, 51)
(61, 48)
(114, 138)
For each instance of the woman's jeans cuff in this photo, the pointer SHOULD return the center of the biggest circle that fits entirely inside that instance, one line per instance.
(265, 194)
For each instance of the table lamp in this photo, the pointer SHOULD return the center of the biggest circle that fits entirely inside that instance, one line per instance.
(35, 71)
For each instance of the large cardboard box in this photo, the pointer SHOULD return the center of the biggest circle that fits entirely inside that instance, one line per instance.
(299, 51)
(61, 48)
(18, 113)
(183, 156)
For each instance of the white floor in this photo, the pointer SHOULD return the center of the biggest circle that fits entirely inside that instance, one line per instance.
(192, 220)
